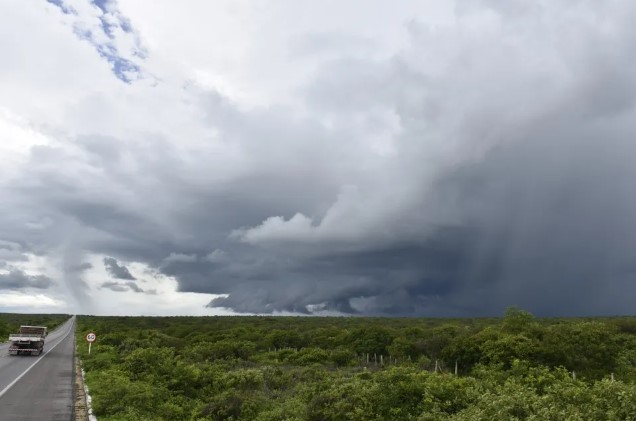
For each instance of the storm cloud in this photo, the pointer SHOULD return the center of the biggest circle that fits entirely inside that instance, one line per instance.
(443, 168)
(124, 286)
(116, 270)
(17, 280)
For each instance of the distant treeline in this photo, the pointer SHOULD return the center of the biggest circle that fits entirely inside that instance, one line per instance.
(309, 368)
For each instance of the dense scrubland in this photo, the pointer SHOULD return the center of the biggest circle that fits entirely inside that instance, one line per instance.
(11, 322)
(305, 368)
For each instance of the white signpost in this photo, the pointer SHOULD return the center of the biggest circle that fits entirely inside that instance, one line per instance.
(90, 338)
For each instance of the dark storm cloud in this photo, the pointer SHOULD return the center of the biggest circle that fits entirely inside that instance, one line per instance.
(547, 223)
(17, 279)
(395, 279)
(125, 286)
(557, 241)
(116, 270)
(555, 215)
(115, 286)
(545, 220)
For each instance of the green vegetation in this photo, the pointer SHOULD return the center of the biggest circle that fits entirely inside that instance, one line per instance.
(316, 369)
(11, 322)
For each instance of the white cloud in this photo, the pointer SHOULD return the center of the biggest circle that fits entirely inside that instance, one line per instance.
(17, 137)
(245, 49)
(18, 301)
(276, 228)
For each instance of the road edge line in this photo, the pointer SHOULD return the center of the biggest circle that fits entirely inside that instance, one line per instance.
(17, 379)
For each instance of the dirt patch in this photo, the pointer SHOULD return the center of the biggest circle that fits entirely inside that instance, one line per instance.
(80, 411)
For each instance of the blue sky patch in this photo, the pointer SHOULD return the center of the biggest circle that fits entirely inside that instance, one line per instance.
(101, 4)
(110, 21)
(65, 9)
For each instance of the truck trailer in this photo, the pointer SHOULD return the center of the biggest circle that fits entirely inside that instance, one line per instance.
(28, 341)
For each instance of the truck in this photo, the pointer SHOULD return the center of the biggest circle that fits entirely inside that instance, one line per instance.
(28, 341)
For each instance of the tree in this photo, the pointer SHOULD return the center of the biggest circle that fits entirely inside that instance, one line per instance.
(402, 348)
(516, 320)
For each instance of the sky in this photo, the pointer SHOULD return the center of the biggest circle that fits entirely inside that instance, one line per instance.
(356, 157)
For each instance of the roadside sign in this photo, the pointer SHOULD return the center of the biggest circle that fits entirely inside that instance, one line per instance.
(90, 338)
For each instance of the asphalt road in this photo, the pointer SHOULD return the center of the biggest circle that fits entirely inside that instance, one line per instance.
(39, 388)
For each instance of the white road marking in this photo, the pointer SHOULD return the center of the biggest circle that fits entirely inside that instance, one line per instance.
(10, 385)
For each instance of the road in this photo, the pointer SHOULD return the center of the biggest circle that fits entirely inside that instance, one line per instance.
(39, 388)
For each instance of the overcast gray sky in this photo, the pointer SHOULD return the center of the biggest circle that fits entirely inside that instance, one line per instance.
(299, 157)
